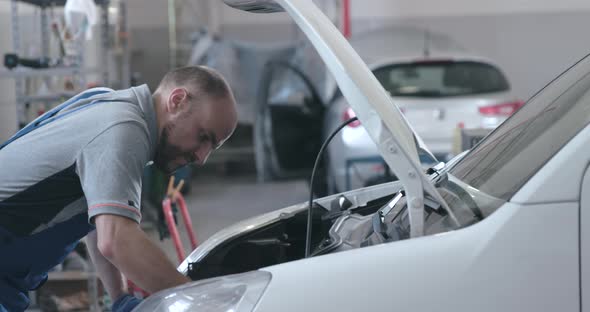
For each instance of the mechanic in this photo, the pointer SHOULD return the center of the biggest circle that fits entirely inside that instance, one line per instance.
(78, 173)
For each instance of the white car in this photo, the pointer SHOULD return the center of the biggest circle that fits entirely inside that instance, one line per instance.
(437, 84)
(499, 228)
(438, 94)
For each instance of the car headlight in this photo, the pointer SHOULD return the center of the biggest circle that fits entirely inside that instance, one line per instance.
(236, 293)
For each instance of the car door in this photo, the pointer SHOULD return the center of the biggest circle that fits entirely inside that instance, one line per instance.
(288, 125)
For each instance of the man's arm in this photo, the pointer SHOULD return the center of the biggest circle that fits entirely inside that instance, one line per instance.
(109, 275)
(110, 168)
(127, 247)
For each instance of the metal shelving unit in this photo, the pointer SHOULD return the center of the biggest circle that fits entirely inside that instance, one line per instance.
(49, 98)
(55, 71)
(23, 99)
(20, 75)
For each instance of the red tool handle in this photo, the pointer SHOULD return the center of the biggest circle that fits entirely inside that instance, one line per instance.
(167, 207)
(187, 220)
(346, 19)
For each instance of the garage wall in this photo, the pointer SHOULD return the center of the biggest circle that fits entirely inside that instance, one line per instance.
(421, 8)
(8, 121)
(148, 27)
(531, 48)
(532, 40)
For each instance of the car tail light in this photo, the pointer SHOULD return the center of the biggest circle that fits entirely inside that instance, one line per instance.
(349, 113)
(504, 109)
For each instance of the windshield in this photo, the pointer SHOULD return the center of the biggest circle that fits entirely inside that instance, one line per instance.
(492, 172)
(502, 163)
(441, 79)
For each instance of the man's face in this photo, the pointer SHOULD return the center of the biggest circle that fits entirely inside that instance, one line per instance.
(193, 133)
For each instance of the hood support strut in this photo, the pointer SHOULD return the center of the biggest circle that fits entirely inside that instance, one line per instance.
(373, 106)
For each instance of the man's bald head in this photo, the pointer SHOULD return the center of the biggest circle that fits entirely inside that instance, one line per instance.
(200, 81)
(196, 114)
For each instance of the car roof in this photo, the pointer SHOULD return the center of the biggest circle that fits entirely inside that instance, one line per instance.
(440, 57)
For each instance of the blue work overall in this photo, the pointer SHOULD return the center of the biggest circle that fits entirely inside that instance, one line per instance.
(21, 267)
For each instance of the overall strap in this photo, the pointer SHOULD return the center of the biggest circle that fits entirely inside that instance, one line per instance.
(51, 115)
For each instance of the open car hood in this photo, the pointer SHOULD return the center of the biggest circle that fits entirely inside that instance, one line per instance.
(373, 106)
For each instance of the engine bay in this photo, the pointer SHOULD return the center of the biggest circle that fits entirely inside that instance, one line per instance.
(356, 219)
(336, 229)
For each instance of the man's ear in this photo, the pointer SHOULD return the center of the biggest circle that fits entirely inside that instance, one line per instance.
(177, 100)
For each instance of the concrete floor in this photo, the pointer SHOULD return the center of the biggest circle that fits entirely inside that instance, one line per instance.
(217, 202)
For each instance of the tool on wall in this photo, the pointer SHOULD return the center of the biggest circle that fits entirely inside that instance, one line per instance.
(12, 60)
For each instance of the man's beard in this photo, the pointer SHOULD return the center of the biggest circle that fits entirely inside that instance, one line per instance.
(166, 152)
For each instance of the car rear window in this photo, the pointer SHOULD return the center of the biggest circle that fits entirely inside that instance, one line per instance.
(441, 78)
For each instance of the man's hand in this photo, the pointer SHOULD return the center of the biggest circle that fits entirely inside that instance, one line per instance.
(127, 247)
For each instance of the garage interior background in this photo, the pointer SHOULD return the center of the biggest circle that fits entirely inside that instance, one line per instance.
(531, 40)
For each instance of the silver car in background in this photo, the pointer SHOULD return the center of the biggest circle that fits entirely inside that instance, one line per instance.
(438, 85)
(436, 96)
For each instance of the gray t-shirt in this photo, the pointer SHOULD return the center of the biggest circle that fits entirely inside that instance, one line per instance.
(90, 161)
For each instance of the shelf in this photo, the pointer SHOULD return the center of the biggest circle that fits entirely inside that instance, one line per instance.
(48, 98)
(23, 72)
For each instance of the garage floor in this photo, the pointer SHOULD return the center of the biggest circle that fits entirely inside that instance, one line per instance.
(217, 202)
